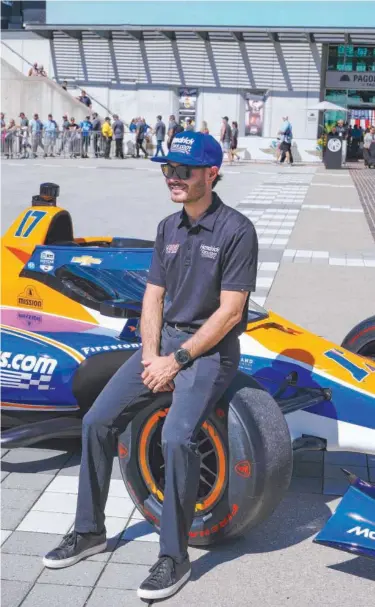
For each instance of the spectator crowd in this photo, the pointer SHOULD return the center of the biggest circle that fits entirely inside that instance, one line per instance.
(99, 137)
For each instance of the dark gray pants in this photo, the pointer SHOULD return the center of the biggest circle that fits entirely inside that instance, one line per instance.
(197, 388)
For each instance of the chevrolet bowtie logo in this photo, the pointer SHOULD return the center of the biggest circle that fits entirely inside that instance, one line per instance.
(86, 260)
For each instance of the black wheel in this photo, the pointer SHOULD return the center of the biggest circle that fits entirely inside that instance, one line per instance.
(361, 339)
(246, 462)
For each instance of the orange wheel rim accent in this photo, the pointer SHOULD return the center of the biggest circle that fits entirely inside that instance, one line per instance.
(142, 453)
(148, 478)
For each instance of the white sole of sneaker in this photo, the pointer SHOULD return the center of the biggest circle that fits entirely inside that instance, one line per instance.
(165, 592)
(52, 564)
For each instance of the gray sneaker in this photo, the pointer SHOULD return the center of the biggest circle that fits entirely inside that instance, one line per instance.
(165, 579)
(73, 548)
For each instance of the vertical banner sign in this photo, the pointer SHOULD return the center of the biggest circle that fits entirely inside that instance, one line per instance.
(187, 104)
(254, 108)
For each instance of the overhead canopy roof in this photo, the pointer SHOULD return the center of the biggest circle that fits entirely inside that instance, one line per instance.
(354, 36)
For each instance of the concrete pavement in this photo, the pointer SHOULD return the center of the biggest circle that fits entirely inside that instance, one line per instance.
(317, 267)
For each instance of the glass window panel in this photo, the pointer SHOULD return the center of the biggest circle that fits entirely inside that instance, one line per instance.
(361, 51)
(361, 97)
(351, 58)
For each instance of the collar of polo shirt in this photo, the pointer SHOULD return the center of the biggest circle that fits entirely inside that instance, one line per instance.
(208, 219)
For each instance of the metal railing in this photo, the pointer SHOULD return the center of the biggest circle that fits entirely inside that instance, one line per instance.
(21, 143)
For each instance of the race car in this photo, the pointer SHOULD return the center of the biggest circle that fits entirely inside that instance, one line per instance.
(70, 314)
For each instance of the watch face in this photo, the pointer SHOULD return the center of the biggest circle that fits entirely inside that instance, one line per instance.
(182, 356)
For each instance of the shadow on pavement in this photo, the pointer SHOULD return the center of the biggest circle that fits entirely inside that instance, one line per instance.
(40, 457)
(298, 518)
(359, 566)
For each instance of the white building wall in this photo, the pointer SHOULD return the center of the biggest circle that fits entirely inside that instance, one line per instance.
(296, 108)
(20, 93)
(215, 103)
(31, 47)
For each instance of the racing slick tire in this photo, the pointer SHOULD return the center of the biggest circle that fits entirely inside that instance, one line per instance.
(246, 462)
(361, 339)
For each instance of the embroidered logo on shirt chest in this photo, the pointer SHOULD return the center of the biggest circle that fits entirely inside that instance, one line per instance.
(209, 252)
(171, 249)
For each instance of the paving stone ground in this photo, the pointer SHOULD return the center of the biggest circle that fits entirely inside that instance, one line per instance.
(317, 267)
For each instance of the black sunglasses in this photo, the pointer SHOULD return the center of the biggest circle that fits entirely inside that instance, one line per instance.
(182, 171)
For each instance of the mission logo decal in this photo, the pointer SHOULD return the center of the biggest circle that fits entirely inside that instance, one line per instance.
(30, 298)
(23, 371)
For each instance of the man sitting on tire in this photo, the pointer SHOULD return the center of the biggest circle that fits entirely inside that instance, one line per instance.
(194, 308)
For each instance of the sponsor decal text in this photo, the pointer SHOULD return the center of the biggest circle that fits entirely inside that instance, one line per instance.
(30, 298)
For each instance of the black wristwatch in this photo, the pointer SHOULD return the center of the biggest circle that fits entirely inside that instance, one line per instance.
(183, 356)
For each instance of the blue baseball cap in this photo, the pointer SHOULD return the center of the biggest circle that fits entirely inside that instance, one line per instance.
(194, 149)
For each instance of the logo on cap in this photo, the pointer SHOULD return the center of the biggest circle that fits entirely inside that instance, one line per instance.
(182, 145)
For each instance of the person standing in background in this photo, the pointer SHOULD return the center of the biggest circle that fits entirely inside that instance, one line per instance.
(33, 71)
(73, 138)
(96, 131)
(36, 129)
(368, 140)
(172, 130)
(342, 134)
(42, 71)
(50, 134)
(24, 127)
(3, 131)
(85, 99)
(10, 138)
(355, 137)
(86, 128)
(234, 141)
(159, 130)
(64, 134)
(286, 134)
(189, 126)
(226, 137)
(140, 137)
(24, 121)
(118, 132)
(107, 133)
(204, 128)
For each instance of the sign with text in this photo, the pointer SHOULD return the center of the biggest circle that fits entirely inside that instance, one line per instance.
(187, 104)
(350, 80)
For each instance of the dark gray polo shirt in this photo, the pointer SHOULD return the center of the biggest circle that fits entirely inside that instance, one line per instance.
(196, 262)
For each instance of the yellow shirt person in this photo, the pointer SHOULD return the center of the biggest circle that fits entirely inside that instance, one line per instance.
(107, 129)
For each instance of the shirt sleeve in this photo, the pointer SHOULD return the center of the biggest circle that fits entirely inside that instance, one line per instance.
(156, 274)
(241, 261)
